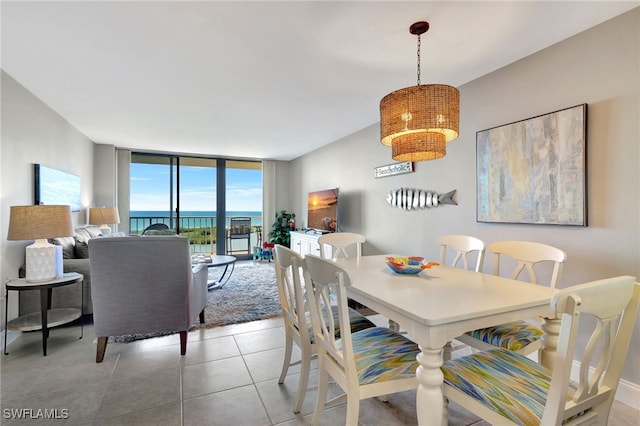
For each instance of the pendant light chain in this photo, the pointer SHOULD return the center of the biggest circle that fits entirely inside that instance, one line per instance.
(418, 60)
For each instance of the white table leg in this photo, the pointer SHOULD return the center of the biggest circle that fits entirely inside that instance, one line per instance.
(551, 328)
(429, 399)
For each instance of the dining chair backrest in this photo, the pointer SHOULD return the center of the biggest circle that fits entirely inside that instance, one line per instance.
(339, 243)
(288, 265)
(527, 254)
(329, 288)
(463, 245)
(522, 336)
(613, 303)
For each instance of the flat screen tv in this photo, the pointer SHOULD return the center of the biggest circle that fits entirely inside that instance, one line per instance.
(322, 210)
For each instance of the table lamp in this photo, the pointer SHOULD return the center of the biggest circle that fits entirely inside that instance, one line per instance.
(103, 216)
(43, 260)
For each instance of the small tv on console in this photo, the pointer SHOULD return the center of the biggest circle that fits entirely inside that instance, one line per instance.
(322, 210)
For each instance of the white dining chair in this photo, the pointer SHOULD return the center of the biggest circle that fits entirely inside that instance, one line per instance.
(339, 243)
(368, 363)
(522, 336)
(506, 388)
(463, 246)
(297, 319)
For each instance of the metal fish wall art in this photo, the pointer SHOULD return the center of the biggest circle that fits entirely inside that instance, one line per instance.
(410, 198)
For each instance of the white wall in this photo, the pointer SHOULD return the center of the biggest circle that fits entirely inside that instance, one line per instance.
(599, 67)
(104, 175)
(34, 133)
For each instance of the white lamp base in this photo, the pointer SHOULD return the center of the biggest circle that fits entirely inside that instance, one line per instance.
(44, 261)
(105, 230)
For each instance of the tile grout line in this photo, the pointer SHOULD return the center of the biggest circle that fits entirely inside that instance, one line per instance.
(253, 381)
(181, 385)
(113, 370)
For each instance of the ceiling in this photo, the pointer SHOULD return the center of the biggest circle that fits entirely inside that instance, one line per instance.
(260, 79)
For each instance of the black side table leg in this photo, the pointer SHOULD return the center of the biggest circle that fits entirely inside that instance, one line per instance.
(44, 301)
(6, 318)
(49, 293)
(81, 308)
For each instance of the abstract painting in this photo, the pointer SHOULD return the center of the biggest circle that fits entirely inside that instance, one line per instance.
(534, 171)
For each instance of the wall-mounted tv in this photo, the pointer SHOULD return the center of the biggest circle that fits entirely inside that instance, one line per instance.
(55, 187)
(322, 210)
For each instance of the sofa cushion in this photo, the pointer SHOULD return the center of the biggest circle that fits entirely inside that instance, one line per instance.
(68, 246)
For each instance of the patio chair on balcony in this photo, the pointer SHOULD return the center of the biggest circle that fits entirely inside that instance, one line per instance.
(239, 229)
(155, 227)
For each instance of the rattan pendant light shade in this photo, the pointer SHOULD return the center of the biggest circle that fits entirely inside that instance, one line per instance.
(418, 121)
(419, 147)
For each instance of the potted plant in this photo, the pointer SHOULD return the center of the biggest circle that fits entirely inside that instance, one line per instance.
(281, 227)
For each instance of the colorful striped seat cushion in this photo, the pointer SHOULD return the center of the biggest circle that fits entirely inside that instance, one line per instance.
(504, 381)
(358, 322)
(513, 336)
(382, 355)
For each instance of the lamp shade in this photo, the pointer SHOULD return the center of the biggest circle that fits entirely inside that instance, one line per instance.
(39, 222)
(420, 110)
(103, 215)
(419, 147)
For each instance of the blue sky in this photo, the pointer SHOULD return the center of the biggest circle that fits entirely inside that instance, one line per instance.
(150, 188)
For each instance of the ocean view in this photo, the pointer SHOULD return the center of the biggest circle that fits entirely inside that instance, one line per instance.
(189, 219)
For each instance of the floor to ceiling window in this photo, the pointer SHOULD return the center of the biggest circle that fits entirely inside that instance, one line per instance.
(198, 198)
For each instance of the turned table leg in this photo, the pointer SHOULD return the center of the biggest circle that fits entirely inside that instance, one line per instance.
(429, 398)
(551, 328)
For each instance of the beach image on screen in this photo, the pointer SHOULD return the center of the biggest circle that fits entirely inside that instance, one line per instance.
(322, 210)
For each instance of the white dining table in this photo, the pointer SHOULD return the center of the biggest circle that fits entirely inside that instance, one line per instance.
(439, 304)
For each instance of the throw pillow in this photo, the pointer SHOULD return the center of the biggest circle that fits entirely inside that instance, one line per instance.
(87, 232)
(68, 246)
(113, 235)
(82, 235)
(82, 249)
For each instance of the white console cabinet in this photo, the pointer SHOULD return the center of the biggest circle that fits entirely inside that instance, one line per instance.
(305, 243)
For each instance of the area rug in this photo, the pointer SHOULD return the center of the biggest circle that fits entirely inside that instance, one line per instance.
(251, 294)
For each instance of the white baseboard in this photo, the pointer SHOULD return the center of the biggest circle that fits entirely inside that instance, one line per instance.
(628, 392)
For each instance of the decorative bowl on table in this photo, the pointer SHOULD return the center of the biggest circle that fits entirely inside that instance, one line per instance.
(408, 265)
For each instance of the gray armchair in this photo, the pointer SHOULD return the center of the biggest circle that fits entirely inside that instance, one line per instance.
(145, 285)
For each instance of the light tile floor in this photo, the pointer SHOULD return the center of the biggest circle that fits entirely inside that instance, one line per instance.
(228, 377)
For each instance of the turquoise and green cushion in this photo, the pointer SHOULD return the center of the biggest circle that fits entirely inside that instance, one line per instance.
(383, 355)
(504, 381)
(513, 336)
(358, 322)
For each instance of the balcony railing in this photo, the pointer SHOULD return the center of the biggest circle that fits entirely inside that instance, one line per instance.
(200, 230)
